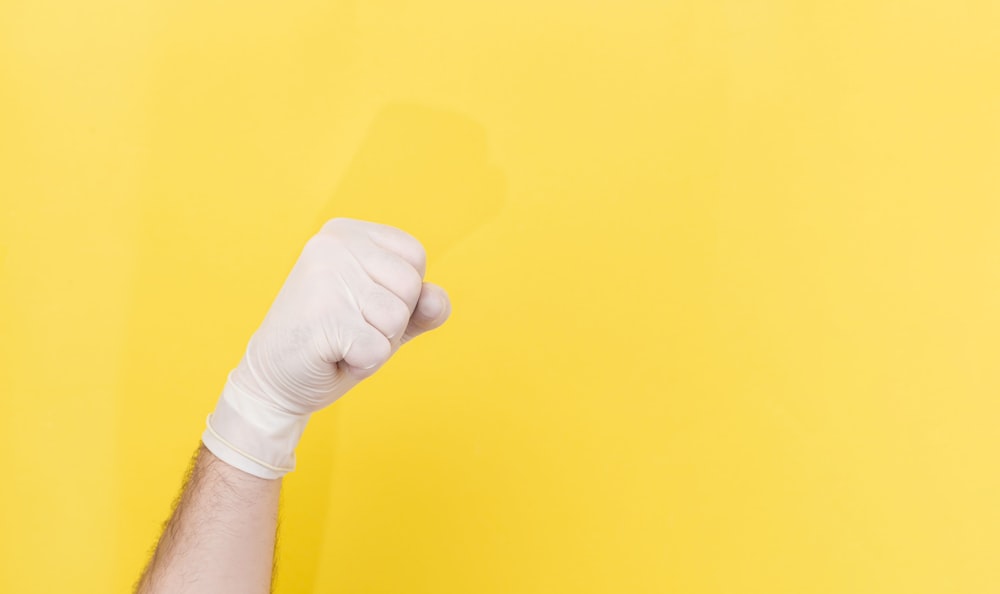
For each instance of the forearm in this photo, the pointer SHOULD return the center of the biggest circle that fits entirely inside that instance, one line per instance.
(354, 296)
(221, 535)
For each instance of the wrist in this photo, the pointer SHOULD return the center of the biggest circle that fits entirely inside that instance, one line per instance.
(252, 435)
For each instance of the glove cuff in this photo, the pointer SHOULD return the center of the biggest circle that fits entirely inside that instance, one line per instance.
(256, 438)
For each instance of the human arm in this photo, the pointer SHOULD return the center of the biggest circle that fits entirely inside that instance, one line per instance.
(354, 296)
(221, 535)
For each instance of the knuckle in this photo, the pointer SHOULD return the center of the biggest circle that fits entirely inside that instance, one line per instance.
(381, 348)
(410, 289)
(369, 349)
(396, 273)
(334, 224)
(410, 247)
(388, 307)
(340, 227)
(386, 312)
(413, 249)
(419, 255)
(320, 243)
(399, 315)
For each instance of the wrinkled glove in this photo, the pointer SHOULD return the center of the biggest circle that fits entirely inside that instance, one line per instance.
(355, 294)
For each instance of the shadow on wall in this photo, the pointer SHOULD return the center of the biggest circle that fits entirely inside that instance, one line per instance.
(426, 171)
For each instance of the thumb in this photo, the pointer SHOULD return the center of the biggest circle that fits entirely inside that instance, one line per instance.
(433, 308)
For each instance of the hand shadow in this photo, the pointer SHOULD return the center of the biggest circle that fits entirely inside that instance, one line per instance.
(423, 170)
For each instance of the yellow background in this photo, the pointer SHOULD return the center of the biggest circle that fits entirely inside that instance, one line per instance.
(725, 275)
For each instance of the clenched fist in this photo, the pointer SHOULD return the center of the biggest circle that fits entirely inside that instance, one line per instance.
(355, 294)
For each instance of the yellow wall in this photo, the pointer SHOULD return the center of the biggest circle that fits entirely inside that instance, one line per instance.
(726, 284)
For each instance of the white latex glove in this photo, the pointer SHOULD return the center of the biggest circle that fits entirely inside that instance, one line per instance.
(355, 294)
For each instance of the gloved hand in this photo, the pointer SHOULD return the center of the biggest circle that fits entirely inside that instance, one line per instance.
(355, 294)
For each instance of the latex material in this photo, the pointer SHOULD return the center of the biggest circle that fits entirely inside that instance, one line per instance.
(345, 307)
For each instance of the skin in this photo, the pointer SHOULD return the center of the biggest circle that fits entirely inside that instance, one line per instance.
(221, 535)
